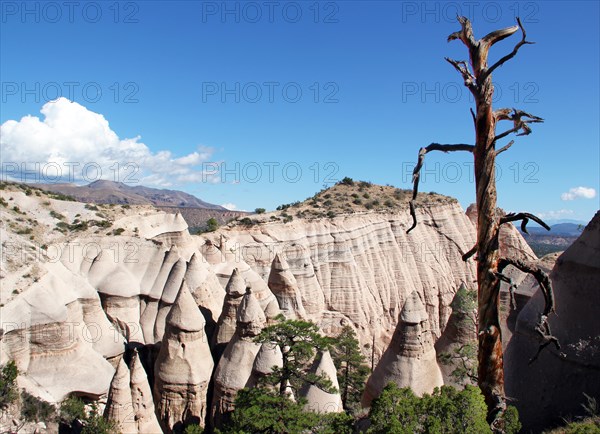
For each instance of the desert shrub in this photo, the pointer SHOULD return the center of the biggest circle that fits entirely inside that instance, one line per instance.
(260, 210)
(347, 181)
(56, 215)
(91, 207)
(193, 429)
(118, 231)
(8, 384)
(34, 409)
(246, 221)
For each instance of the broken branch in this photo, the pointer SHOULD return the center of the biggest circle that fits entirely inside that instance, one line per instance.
(465, 34)
(417, 171)
(504, 148)
(470, 253)
(461, 66)
(519, 122)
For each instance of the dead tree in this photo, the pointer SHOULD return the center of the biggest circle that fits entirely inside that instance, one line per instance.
(477, 76)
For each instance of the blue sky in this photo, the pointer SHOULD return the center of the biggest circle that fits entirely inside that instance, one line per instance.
(287, 96)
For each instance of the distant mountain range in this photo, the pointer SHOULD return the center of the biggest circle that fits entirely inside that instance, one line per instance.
(196, 212)
(122, 194)
(560, 229)
(558, 238)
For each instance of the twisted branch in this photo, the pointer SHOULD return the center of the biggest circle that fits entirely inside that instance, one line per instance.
(519, 122)
(524, 217)
(542, 327)
(417, 171)
(514, 51)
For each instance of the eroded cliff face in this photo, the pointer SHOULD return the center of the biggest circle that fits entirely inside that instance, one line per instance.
(360, 268)
(105, 295)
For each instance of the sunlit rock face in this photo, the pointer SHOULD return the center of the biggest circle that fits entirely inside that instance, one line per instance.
(317, 399)
(141, 399)
(119, 407)
(284, 286)
(184, 366)
(359, 268)
(553, 386)
(234, 370)
(410, 360)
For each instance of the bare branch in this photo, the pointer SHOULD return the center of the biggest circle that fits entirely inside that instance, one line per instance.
(498, 35)
(502, 114)
(417, 170)
(510, 55)
(504, 148)
(539, 274)
(470, 253)
(542, 327)
(524, 217)
(465, 34)
(520, 121)
(511, 288)
(468, 77)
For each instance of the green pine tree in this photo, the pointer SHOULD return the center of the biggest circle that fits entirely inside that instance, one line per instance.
(351, 366)
(298, 341)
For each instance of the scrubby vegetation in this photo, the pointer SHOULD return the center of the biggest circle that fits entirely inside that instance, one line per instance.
(73, 412)
(346, 197)
(8, 384)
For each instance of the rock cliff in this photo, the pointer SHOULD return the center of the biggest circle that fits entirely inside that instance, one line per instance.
(184, 366)
(560, 377)
(111, 279)
(410, 359)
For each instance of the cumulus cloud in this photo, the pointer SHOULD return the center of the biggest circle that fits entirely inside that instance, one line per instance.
(579, 192)
(230, 206)
(74, 144)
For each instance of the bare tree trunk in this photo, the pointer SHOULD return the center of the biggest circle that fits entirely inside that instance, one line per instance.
(477, 78)
(490, 367)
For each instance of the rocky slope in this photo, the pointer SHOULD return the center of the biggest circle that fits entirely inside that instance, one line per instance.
(83, 287)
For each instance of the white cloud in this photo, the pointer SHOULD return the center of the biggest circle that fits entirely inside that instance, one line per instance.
(576, 192)
(77, 145)
(556, 215)
(230, 206)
